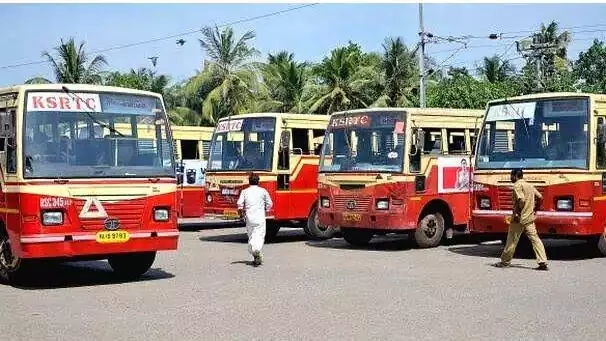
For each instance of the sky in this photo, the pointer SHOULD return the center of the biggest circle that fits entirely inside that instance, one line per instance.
(309, 32)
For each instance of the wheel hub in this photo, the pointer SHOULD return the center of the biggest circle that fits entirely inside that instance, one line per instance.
(7, 260)
(430, 228)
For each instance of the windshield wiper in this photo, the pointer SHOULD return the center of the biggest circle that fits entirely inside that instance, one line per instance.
(89, 114)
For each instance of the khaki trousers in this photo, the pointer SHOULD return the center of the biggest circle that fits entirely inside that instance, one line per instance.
(513, 236)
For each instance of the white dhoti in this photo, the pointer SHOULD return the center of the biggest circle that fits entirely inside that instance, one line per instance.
(256, 235)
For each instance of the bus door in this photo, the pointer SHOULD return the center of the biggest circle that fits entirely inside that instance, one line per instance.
(283, 196)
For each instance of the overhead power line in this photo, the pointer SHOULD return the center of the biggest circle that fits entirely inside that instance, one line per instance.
(172, 36)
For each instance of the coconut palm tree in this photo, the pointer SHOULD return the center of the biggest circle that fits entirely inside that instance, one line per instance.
(494, 69)
(341, 81)
(286, 81)
(141, 79)
(71, 65)
(228, 76)
(399, 70)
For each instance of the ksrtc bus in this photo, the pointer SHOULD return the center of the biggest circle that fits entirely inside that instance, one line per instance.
(397, 170)
(102, 194)
(284, 150)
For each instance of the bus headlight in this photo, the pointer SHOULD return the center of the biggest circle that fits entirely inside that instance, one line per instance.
(161, 214)
(382, 204)
(52, 218)
(325, 202)
(209, 198)
(564, 204)
(485, 203)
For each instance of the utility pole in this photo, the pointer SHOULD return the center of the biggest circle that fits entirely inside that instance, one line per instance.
(421, 58)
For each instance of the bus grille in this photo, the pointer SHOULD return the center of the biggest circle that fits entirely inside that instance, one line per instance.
(362, 204)
(505, 199)
(129, 212)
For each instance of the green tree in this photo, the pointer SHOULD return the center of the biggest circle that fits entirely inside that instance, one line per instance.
(495, 70)
(399, 71)
(229, 74)
(343, 80)
(286, 81)
(71, 64)
(465, 92)
(141, 79)
(591, 67)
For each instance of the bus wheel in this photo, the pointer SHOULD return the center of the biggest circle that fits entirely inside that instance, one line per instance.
(313, 229)
(430, 230)
(271, 231)
(601, 243)
(11, 266)
(357, 237)
(132, 265)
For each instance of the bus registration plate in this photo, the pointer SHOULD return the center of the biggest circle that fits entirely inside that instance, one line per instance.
(352, 217)
(106, 237)
(230, 214)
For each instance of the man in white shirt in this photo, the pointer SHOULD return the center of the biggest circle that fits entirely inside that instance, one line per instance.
(252, 205)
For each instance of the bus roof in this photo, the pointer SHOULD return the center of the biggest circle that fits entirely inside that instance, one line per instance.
(76, 87)
(421, 111)
(284, 116)
(546, 95)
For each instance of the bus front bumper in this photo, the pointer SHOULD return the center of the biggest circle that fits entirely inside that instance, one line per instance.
(546, 222)
(363, 220)
(85, 244)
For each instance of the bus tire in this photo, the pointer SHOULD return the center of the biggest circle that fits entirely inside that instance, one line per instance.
(271, 231)
(132, 265)
(601, 244)
(13, 269)
(357, 237)
(430, 230)
(313, 229)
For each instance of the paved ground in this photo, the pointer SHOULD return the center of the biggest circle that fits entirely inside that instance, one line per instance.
(316, 291)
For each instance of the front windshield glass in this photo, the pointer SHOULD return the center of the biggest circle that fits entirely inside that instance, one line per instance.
(535, 134)
(84, 135)
(243, 144)
(357, 142)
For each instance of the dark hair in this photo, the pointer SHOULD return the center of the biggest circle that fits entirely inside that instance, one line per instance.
(518, 173)
(253, 180)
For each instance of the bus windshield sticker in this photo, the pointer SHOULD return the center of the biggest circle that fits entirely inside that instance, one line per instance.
(565, 108)
(399, 128)
(229, 125)
(510, 111)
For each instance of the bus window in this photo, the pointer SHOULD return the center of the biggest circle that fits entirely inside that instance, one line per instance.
(11, 148)
(300, 141)
(456, 141)
(318, 138)
(601, 143)
(189, 149)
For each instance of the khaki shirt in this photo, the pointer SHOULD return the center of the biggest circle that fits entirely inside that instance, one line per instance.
(524, 195)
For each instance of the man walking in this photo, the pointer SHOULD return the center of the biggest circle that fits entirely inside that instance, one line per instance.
(522, 220)
(252, 205)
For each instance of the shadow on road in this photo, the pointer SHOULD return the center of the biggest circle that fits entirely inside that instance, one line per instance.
(393, 242)
(564, 250)
(285, 236)
(80, 274)
(245, 262)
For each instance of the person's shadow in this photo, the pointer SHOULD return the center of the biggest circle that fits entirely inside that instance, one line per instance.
(245, 262)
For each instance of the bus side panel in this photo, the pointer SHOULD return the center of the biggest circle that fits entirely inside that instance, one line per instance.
(12, 219)
(192, 205)
(303, 188)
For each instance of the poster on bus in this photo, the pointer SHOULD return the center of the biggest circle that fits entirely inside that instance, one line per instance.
(193, 173)
(454, 174)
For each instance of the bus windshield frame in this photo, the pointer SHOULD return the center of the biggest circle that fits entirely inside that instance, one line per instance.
(78, 135)
(243, 144)
(547, 134)
(364, 142)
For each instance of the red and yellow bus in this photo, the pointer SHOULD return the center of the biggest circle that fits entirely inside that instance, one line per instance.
(92, 193)
(397, 170)
(192, 149)
(558, 139)
(284, 150)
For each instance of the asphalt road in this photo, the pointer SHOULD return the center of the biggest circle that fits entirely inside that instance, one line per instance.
(316, 291)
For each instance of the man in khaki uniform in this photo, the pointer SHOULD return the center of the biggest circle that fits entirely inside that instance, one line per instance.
(522, 220)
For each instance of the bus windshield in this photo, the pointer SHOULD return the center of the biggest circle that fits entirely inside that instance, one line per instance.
(364, 142)
(540, 134)
(243, 144)
(84, 135)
